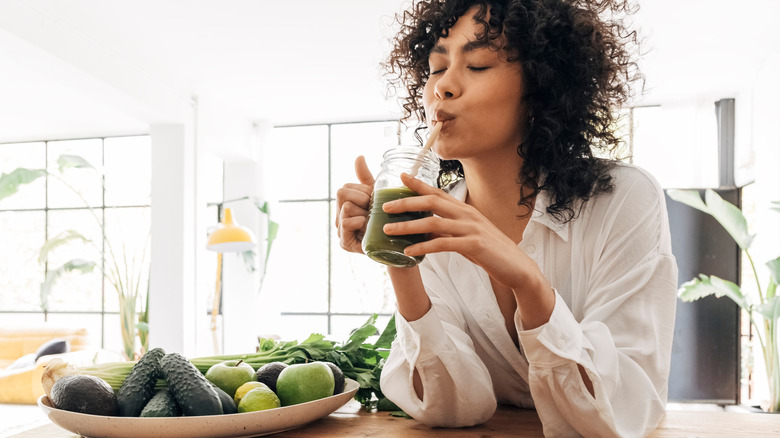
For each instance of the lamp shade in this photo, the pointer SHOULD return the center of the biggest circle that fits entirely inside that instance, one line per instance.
(230, 237)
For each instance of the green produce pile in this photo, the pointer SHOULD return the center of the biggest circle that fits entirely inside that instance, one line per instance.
(357, 359)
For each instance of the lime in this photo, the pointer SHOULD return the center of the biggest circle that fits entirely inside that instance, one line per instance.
(246, 387)
(259, 399)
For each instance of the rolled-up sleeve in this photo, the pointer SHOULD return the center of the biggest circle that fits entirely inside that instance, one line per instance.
(457, 388)
(624, 336)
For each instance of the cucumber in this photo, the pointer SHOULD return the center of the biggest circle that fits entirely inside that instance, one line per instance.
(192, 392)
(138, 387)
(162, 404)
(228, 405)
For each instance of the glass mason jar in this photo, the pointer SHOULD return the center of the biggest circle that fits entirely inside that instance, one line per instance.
(385, 249)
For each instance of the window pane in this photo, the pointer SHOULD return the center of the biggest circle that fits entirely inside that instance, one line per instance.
(299, 327)
(350, 140)
(342, 325)
(74, 290)
(296, 163)
(408, 135)
(210, 176)
(127, 252)
(30, 156)
(92, 322)
(112, 334)
(297, 278)
(22, 235)
(128, 170)
(686, 132)
(358, 284)
(87, 182)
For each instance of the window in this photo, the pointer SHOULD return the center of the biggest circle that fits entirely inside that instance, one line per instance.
(318, 286)
(118, 195)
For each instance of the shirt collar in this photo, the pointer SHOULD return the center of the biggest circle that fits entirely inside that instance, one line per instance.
(458, 190)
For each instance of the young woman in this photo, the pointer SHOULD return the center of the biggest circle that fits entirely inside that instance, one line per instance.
(549, 280)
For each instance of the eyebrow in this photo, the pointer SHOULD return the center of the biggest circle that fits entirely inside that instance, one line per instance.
(468, 47)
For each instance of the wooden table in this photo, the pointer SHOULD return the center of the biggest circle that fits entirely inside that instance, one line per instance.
(351, 421)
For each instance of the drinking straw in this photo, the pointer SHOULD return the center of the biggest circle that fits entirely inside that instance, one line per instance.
(428, 145)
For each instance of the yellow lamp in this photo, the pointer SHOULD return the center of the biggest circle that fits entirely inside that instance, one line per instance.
(228, 237)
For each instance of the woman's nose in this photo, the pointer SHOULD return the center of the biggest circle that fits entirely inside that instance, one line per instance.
(448, 86)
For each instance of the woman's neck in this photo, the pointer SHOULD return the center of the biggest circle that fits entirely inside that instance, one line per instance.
(493, 189)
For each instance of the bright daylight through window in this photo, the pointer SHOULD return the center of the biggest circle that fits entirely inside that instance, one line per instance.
(75, 201)
(339, 290)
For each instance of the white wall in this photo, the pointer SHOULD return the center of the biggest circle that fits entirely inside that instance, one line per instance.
(764, 136)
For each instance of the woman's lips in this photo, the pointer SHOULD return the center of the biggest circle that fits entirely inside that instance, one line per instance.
(445, 118)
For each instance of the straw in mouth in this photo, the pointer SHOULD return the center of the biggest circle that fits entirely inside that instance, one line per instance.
(431, 138)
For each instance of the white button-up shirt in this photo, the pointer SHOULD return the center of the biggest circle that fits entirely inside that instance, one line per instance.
(615, 281)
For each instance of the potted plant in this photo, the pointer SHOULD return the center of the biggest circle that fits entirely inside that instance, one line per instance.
(128, 276)
(761, 305)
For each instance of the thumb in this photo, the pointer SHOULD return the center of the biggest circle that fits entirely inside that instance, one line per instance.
(363, 173)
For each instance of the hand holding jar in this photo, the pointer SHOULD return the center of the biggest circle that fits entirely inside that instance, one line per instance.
(354, 201)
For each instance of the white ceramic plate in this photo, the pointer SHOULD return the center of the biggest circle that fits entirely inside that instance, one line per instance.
(214, 426)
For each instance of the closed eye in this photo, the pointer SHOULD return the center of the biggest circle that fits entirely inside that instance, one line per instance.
(478, 68)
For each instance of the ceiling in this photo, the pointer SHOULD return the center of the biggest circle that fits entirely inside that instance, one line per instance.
(71, 68)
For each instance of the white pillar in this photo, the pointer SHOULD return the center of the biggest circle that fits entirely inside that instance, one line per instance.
(172, 301)
(246, 312)
(240, 313)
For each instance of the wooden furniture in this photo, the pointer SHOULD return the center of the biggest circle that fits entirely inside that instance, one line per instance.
(351, 421)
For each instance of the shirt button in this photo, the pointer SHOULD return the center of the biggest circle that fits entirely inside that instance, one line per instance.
(561, 342)
(531, 249)
(487, 315)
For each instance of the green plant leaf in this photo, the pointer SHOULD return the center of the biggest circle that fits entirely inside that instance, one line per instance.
(774, 269)
(249, 259)
(53, 275)
(142, 327)
(10, 182)
(726, 213)
(57, 241)
(73, 162)
(388, 334)
(360, 334)
(775, 206)
(271, 232)
(730, 217)
(690, 198)
(770, 310)
(704, 286)
(262, 207)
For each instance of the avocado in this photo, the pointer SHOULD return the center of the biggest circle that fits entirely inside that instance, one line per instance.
(84, 394)
(269, 372)
(338, 378)
(162, 404)
(138, 387)
(228, 405)
(189, 387)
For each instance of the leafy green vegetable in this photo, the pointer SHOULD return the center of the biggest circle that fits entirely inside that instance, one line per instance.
(358, 359)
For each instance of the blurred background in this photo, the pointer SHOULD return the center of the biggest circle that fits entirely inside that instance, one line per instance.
(189, 107)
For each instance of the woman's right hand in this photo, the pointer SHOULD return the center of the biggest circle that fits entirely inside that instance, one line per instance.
(352, 203)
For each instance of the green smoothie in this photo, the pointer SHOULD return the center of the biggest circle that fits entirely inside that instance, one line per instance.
(390, 249)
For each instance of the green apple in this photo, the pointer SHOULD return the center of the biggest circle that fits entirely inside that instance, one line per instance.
(230, 374)
(304, 382)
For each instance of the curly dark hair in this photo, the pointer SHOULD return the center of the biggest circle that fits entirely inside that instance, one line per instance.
(577, 58)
